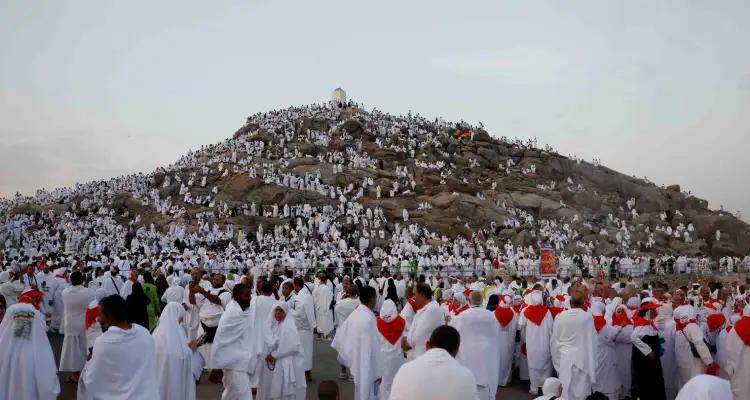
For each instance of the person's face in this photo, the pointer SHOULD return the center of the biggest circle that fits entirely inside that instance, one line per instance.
(217, 280)
(30, 270)
(244, 297)
(279, 314)
(705, 293)
(678, 298)
(286, 290)
(195, 275)
(723, 294)
(346, 285)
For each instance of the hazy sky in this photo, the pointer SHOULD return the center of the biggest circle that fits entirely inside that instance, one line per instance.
(94, 89)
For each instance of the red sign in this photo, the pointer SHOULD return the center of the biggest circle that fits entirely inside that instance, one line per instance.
(547, 265)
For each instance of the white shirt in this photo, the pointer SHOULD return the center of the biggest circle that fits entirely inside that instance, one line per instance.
(434, 376)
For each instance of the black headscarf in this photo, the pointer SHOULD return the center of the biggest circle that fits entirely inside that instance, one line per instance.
(137, 303)
(391, 293)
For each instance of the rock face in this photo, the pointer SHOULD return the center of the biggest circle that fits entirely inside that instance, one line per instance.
(512, 191)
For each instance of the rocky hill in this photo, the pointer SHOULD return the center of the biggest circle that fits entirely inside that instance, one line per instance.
(453, 180)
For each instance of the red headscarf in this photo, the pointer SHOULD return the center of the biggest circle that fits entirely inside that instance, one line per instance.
(504, 315)
(620, 318)
(413, 304)
(33, 297)
(742, 327)
(715, 321)
(461, 309)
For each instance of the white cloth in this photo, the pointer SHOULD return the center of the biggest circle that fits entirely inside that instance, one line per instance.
(737, 365)
(393, 355)
(173, 356)
(303, 311)
(507, 341)
(236, 385)
(688, 365)
(425, 321)
(574, 346)
(235, 344)
(434, 376)
(175, 292)
(287, 378)
(122, 367)
(537, 340)
(706, 387)
(343, 308)
(480, 346)
(607, 377)
(358, 344)
(322, 296)
(75, 301)
(27, 365)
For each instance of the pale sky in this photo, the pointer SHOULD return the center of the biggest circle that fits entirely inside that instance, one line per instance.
(95, 89)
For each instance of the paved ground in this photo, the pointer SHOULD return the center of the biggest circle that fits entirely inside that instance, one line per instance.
(325, 368)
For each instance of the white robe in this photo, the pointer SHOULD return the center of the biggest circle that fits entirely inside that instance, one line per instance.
(434, 376)
(27, 364)
(173, 356)
(607, 376)
(344, 308)
(358, 344)
(537, 339)
(425, 321)
(235, 351)
(75, 299)
(688, 365)
(507, 340)
(287, 379)
(574, 350)
(480, 348)
(322, 296)
(737, 365)
(303, 311)
(122, 366)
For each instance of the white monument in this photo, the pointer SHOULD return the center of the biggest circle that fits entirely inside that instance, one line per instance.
(338, 97)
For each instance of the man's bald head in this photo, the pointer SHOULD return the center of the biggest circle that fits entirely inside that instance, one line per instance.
(475, 298)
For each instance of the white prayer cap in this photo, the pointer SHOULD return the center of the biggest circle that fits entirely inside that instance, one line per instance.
(534, 298)
(634, 302)
(684, 313)
(388, 310)
(746, 311)
(597, 308)
(505, 301)
(552, 387)
(460, 298)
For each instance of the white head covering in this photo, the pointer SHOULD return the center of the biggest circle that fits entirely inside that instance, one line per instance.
(684, 313)
(460, 298)
(174, 281)
(169, 336)
(598, 308)
(25, 351)
(388, 310)
(4, 276)
(552, 387)
(281, 338)
(534, 298)
(505, 301)
(634, 302)
(703, 387)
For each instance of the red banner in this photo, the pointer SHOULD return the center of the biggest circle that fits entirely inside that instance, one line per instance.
(547, 265)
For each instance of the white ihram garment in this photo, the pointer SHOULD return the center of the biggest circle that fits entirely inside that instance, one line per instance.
(75, 299)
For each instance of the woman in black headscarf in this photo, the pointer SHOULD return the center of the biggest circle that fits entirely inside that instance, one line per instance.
(138, 306)
(492, 302)
(391, 293)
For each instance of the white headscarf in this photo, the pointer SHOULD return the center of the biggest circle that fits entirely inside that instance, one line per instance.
(552, 387)
(597, 308)
(702, 387)
(388, 311)
(169, 335)
(684, 313)
(282, 338)
(25, 352)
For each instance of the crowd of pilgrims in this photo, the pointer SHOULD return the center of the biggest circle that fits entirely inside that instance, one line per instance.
(74, 251)
(148, 332)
